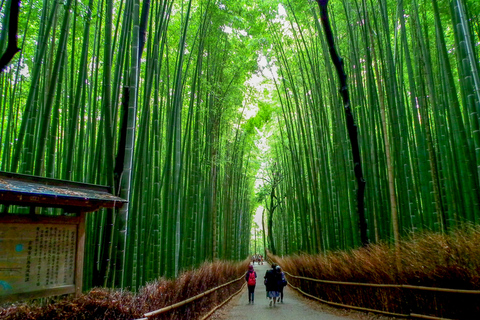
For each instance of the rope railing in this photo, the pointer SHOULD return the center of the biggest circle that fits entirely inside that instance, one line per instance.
(379, 285)
(206, 316)
(184, 302)
(392, 314)
(347, 305)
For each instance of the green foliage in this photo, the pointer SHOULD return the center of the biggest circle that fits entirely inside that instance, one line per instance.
(408, 70)
(197, 150)
(192, 159)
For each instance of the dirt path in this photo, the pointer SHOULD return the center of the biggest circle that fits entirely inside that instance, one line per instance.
(294, 306)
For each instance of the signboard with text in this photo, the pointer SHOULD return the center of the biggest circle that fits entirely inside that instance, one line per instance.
(40, 257)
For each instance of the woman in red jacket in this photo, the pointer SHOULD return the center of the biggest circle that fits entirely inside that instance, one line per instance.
(251, 278)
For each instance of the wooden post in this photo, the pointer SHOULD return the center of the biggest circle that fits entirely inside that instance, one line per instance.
(80, 254)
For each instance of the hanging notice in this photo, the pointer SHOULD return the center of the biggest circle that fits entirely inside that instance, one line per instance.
(36, 257)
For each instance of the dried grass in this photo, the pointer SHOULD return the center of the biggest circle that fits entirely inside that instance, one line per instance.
(430, 260)
(103, 304)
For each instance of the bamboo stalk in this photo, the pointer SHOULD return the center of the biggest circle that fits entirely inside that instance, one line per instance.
(350, 123)
(12, 47)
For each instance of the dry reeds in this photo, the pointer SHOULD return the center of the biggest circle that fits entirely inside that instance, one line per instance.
(428, 260)
(99, 303)
(103, 304)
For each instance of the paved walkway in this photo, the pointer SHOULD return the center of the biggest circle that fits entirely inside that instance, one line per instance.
(292, 308)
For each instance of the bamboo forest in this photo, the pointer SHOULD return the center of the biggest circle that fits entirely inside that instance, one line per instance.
(224, 124)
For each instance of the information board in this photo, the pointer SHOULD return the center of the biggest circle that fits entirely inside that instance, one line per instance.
(38, 258)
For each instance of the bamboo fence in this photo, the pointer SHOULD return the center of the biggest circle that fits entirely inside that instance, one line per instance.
(377, 285)
(189, 300)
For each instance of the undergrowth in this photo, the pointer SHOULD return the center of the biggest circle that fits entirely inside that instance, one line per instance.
(430, 260)
(106, 304)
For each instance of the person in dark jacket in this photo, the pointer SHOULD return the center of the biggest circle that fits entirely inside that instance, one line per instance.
(251, 278)
(271, 283)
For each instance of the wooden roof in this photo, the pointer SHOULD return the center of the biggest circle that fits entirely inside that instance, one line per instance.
(26, 190)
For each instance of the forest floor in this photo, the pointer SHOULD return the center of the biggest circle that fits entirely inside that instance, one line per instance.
(294, 306)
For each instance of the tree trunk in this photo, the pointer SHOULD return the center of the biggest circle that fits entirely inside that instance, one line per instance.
(350, 123)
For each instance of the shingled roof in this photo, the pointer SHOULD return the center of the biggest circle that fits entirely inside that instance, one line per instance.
(26, 190)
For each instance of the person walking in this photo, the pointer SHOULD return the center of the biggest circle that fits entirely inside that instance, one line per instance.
(251, 278)
(282, 282)
(271, 283)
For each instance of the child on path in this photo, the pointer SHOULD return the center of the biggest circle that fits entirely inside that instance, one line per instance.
(271, 283)
(251, 278)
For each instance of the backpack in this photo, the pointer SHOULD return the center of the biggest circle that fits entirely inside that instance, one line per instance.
(251, 279)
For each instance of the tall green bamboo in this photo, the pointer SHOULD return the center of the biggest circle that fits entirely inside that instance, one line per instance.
(193, 153)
